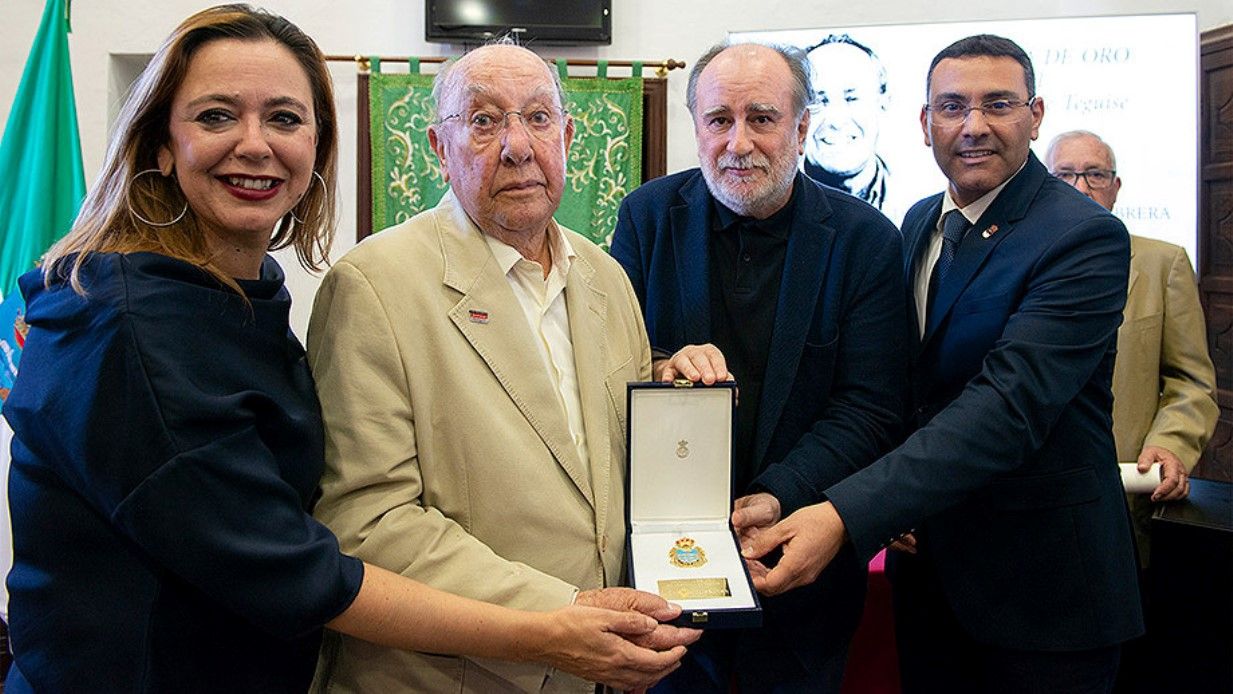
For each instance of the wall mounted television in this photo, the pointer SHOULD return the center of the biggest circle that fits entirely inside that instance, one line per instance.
(543, 22)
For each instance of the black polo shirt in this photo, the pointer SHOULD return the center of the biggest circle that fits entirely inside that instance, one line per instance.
(747, 258)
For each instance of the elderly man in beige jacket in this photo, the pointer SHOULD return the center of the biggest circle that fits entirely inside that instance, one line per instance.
(472, 365)
(1164, 407)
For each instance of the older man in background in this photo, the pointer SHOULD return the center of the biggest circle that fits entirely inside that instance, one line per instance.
(472, 364)
(1164, 408)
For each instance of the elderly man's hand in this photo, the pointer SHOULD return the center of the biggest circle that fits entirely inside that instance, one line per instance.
(664, 636)
(811, 537)
(600, 645)
(1174, 482)
(696, 363)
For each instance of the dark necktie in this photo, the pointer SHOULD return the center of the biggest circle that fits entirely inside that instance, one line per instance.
(953, 228)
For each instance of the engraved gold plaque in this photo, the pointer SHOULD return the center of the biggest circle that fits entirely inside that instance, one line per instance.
(694, 588)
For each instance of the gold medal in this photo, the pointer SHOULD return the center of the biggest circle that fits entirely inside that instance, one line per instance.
(685, 554)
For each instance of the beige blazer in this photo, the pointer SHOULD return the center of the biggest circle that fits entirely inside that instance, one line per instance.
(448, 455)
(1163, 379)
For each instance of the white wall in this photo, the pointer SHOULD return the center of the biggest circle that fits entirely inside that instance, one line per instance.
(106, 32)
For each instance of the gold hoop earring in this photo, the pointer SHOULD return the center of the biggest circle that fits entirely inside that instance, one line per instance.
(128, 201)
(291, 211)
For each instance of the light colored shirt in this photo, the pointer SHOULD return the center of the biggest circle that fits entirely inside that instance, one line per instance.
(543, 304)
(933, 249)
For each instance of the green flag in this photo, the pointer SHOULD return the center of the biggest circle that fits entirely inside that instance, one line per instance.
(41, 153)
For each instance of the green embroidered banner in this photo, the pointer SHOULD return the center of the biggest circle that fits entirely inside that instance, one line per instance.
(406, 176)
(605, 161)
(604, 164)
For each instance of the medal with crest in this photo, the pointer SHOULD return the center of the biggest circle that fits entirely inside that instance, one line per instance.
(685, 554)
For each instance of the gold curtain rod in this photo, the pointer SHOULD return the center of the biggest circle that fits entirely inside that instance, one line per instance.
(661, 67)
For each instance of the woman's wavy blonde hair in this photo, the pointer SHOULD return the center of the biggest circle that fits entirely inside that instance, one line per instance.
(105, 222)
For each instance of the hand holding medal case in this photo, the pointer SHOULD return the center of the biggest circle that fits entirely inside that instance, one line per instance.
(681, 545)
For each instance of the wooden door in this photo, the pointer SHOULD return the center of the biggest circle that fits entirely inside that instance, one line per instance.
(1216, 234)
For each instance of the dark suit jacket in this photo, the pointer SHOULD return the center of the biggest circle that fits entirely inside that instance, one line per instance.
(1012, 462)
(832, 397)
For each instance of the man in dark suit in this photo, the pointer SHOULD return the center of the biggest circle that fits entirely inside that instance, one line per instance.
(747, 268)
(1023, 577)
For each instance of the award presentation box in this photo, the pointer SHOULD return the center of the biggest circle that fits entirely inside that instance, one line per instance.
(681, 544)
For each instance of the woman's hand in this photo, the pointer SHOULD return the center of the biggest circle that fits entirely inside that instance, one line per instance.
(597, 644)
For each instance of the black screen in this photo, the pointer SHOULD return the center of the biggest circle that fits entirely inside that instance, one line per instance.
(538, 21)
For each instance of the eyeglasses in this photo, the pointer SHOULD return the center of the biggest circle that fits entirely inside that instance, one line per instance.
(1096, 179)
(485, 125)
(955, 112)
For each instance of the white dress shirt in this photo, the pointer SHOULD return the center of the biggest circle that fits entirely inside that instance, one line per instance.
(543, 304)
(933, 249)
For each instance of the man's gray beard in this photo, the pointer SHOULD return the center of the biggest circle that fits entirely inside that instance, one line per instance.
(752, 204)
